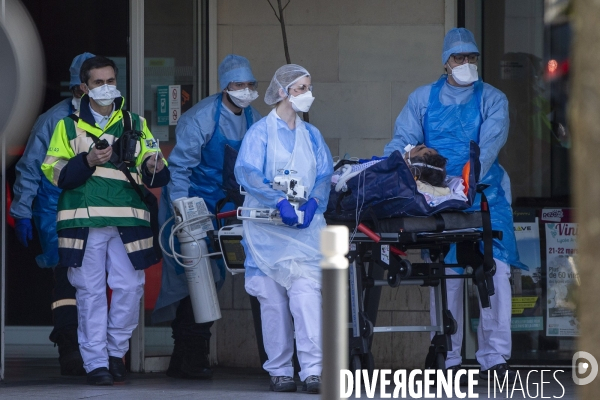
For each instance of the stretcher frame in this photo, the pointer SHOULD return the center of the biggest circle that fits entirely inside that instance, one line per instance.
(386, 250)
(372, 254)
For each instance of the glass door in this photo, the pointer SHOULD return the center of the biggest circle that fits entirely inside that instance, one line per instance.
(173, 76)
(525, 54)
(27, 288)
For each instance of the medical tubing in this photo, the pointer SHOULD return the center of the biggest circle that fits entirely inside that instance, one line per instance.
(160, 232)
(181, 226)
(358, 210)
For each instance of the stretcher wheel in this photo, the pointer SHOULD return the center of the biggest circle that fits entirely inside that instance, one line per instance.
(402, 270)
(363, 361)
(355, 363)
(435, 359)
(367, 328)
(369, 362)
(405, 269)
(440, 361)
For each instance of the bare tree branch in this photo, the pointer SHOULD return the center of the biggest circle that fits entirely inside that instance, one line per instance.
(273, 8)
(282, 22)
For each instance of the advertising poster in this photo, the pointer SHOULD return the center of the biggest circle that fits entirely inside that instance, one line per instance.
(527, 307)
(562, 279)
(527, 300)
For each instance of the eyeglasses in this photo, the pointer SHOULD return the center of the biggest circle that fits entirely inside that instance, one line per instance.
(460, 58)
(242, 85)
(300, 89)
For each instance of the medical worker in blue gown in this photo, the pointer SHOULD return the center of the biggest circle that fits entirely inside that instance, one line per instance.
(446, 115)
(282, 261)
(196, 165)
(37, 199)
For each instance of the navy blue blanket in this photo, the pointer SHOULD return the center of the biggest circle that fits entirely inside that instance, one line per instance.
(388, 189)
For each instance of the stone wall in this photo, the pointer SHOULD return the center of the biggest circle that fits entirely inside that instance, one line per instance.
(365, 58)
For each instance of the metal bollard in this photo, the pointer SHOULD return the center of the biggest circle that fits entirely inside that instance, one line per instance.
(334, 246)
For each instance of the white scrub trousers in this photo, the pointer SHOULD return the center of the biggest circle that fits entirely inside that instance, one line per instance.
(283, 310)
(493, 334)
(103, 332)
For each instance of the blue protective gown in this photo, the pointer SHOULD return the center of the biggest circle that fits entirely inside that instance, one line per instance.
(31, 184)
(447, 118)
(196, 165)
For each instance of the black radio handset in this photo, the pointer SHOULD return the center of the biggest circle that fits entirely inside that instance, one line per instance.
(101, 144)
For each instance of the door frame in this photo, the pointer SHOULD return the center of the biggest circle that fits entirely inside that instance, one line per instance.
(136, 102)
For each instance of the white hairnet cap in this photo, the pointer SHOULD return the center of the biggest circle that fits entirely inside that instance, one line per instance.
(458, 40)
(234, 68)
(283, 78)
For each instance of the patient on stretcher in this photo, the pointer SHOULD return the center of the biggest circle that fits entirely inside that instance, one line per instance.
(427, 167)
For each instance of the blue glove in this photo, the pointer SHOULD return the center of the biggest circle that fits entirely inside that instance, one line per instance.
(288, 214)
(309, 208)
(24, 230)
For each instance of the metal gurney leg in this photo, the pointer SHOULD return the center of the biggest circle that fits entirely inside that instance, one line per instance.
(361, 283)
(363, 313)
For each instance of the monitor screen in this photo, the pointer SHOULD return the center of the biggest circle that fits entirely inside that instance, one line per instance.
(233, 251)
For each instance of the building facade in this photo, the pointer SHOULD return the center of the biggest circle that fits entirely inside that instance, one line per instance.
(365, 58)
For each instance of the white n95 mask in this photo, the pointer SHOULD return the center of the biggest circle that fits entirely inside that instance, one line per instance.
(104, 95)
(76, 102)
(242, 98)
(302, 102)
(465, 74)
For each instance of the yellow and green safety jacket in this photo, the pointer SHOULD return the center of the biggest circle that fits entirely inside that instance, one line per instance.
(100, 196)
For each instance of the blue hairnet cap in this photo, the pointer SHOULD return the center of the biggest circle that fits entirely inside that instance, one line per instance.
(234, 68)
(458, 40)
(76, 66)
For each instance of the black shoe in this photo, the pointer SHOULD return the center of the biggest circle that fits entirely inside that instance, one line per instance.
(464, 379)
(312, 384)
(499, 370)
(116, 367)
(100, 377)
(283, 384)
(174, 370)
(69, 356)
(195, 363)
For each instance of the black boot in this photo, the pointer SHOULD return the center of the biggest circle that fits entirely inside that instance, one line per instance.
(69, 356)
(100, 377)
(116, 367)
(195, 363)
(174, 370)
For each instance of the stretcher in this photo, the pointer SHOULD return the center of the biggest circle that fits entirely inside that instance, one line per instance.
(387, 216)
(378, 258)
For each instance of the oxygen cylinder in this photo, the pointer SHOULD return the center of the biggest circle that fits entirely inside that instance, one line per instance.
(201, 283)
(198, 271)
